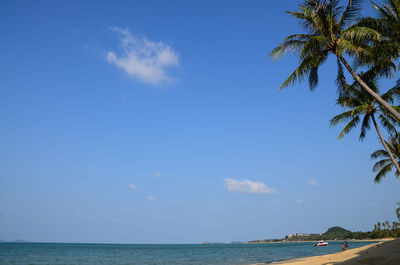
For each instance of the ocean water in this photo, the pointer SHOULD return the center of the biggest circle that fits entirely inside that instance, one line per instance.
(124, 254)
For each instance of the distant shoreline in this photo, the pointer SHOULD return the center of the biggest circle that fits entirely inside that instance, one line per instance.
(386, 251)
(312, 241)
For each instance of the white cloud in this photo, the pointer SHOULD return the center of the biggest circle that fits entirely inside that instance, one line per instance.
(299, 200)
(312, 182)
(157, 174)
(143, 59)
(132, 186)
(151, 198)
(247, 186)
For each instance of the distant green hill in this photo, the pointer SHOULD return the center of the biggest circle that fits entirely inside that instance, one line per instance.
(339, 233)
(336, 232)
(333, 233)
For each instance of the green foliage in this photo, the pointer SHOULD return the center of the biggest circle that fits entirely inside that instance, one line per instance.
(385, 51)
(361, 106)
(381, 230)
(329, 29)
(336, 232)
(385, 165)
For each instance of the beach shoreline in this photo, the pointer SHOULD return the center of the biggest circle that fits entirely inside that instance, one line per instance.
(386, 251)
(312, 241)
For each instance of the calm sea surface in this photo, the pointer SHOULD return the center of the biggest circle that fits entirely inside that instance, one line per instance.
(118, 254)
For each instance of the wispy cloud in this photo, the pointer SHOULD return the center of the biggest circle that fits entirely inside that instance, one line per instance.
(299, 200)
(151, 198)
(144, 59)
(131, 186)
(157, 174)
(312, 182)
(247, 186)
(278, 202)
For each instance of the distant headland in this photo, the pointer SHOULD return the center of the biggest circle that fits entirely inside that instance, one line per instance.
(381, 230)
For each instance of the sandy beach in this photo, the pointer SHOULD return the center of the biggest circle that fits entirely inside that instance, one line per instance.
(382, 253)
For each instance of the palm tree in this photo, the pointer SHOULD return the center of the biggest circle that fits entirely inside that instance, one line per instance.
(385, 165)
(362, 106)
(388, 225)
(389, 18)
(387, 50)
(398, 211)
(387, 23)
(329, 31)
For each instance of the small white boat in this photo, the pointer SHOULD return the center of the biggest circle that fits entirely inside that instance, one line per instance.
(321, 244)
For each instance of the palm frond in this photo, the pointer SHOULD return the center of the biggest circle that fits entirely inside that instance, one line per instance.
(308, 67)
(343, 87)
(313, 78)
(357, 34)
(313, 47)
(381, 164)
(345, 46)
(394, 92)
(379, 153)
(351, 13)
(352, 124)
(343, 117)
(297, 75)
(294, 46)
(365, 125)
(383, 172)
(387, 124)
(384, 13)
(360, 109)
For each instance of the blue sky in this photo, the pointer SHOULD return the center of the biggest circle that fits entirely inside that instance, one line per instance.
(161, 122)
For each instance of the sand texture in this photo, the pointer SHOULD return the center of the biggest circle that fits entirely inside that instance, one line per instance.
(383, 253)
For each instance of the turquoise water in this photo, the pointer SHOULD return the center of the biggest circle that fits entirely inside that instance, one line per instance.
(124, 254)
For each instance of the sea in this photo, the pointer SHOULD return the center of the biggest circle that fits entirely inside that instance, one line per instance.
(191, 254)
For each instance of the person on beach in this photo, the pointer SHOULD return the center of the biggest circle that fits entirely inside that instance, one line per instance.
(345, 246)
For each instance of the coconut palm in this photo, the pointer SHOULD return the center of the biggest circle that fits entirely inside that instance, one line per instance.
(385, 165)
(387, 23)
(387, 50)
(398, 211)
(329, 30)
(388, 225)
(360, 105)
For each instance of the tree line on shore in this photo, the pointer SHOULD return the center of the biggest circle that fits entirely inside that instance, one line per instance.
(381, 230)
(369, 49)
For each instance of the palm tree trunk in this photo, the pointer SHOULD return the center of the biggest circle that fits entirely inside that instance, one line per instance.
(370, 91)
(384, 144)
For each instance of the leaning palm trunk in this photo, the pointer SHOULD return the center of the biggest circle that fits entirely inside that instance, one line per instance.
(375, 96)
(384, 144)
